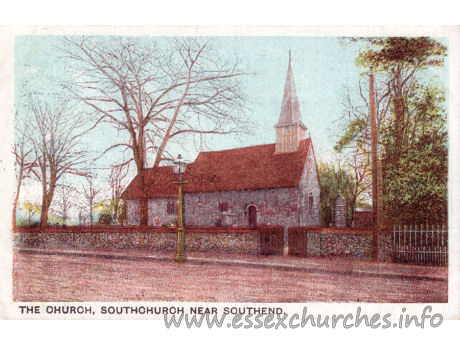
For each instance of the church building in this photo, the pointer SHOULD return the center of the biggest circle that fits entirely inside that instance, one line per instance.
(271, 184)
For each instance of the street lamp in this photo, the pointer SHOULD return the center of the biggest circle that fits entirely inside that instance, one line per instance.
(179, 169)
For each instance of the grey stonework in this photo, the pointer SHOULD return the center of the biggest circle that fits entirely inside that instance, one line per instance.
(356, 246)
(236, 243)
(280, 206)
(340, 212)
(386, 248)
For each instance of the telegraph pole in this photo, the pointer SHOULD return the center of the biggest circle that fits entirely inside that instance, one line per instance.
(375, 188)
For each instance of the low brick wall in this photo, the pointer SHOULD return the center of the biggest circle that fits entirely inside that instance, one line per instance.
(326, 242)
(220, 240)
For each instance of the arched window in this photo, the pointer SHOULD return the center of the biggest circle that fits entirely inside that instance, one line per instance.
(310, 204)
(252, 216)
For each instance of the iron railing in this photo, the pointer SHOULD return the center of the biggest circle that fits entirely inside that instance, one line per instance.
(421, 244)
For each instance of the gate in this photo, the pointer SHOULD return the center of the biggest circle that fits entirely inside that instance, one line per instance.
(271, 241)
(297, 242)
(421, 245)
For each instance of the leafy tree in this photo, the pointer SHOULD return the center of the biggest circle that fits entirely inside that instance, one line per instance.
(103, 207)
(123, 213)
(334, 180)
(411, 124)
(115, 209)
(415, 178)
(55, 220)
(105, 219)
(31, 209)
(401, 59)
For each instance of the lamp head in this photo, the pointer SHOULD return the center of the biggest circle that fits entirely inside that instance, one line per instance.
(179, 165)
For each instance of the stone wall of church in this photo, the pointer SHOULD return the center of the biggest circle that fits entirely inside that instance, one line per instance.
(274, 207)
(309, 188)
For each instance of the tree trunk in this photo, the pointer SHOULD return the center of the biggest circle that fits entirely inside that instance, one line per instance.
(353, 203)
(399, 114)
(140, 164)
(13, 216)
(46, 200)
(380, 189)
(44, 211)
(64, 216)
(91, 211)
(44, 214)
(16, 198)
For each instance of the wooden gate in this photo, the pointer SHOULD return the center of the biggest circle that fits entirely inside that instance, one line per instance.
(297, 240)
(271, 241)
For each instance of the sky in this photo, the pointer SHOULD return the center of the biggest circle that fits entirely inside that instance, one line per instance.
(322, 67)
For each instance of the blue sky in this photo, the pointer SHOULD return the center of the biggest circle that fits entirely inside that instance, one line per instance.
(322, 67)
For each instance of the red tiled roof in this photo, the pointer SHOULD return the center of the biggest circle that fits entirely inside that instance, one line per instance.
(253, 167)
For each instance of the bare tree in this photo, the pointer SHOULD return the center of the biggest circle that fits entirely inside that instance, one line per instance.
(117, 185)
(55, 132)
(354, 124)
(90, 192)
(359, 166)
(156, 93)
(25, 161)
(64, 202)
(355, 140)
(81, 205)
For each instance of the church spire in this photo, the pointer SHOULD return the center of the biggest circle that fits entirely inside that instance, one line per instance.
(290, 129)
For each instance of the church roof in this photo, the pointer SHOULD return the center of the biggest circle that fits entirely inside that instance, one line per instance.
(290, 107)
(253, 167)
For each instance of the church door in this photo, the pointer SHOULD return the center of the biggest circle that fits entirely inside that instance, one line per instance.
(252, 216)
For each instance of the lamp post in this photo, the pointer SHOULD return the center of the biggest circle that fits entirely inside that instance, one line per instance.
(179, 169)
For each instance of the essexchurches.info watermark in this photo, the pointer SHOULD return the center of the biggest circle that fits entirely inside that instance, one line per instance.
(254, 317)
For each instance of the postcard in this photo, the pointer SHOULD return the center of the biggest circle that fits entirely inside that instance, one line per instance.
(231, 172)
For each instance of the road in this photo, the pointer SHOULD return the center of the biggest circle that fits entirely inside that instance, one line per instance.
(53, 278)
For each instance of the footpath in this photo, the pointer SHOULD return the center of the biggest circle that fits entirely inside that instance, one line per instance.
(337, 265)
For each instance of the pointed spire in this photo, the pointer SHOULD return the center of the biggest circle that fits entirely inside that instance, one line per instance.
(290, 130)
(290, 108)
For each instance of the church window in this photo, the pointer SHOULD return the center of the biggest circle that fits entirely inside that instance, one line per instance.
(223, 206)
(310, 204)
(171, 207)
(252, 216)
